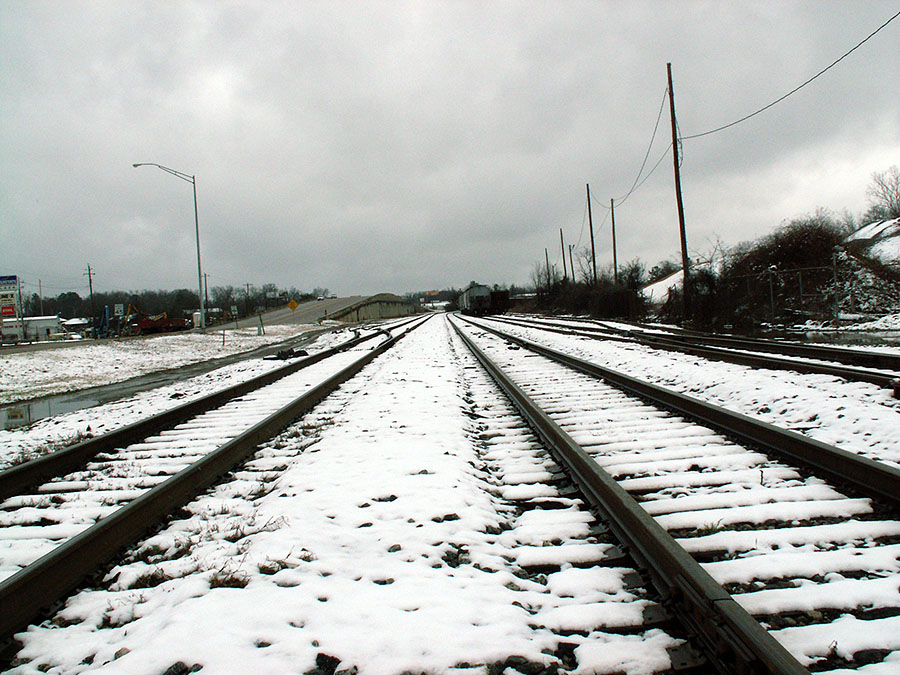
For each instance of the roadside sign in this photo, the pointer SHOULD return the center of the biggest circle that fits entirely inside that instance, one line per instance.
(9, 283)
(293, 305)
(8, 286)
(120, 309)
(234, 310)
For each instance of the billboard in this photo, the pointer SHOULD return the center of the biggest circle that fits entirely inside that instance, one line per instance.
(8, 286)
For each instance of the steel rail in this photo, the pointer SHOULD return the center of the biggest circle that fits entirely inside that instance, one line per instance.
(16, 480)
(669, 343)
(854, 357)
(869, 477)
(734, 641)
(26, 595)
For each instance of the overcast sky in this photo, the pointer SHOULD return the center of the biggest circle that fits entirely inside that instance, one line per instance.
(401, 146)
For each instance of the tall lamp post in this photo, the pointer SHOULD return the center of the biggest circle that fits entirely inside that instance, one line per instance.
(193, 182)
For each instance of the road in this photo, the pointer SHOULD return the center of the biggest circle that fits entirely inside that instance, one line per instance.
(310, 312)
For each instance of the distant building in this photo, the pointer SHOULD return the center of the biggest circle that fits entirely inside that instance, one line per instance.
(36, 329)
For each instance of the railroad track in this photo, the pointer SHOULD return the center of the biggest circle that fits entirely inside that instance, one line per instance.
(415, 500)
(855, 357)
(66, 513)
(814, 561)
(850, 364)
(507, 563)
(857, 417)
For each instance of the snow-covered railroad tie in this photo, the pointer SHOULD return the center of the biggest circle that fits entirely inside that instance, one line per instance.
(853, 365)
(857, 417)
(53, 536)
(817, 566)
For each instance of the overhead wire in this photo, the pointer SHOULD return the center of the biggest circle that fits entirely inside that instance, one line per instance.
(634, 185)
(583, 221)
(655, 166)
(797, 88)
(679, 138)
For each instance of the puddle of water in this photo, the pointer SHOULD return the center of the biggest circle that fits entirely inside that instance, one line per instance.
(26, 413)
(23, 414)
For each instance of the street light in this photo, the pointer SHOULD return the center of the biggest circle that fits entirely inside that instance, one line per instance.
(193, 182)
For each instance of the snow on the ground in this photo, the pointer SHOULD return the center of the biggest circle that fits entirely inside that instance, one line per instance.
(856, 416)
(28, 375)
(883, 238)
(692, 480)
(889, 322)
(372, 534)
(50, 433)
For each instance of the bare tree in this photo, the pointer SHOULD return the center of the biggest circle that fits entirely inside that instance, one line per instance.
(884, 195)
(543, 279)
(585, 265)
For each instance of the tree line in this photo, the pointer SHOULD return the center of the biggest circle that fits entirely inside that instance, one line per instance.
(802, 270)
(223, 301)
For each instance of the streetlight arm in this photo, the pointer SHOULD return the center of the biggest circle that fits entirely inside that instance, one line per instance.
(190, 179)
(177, 174)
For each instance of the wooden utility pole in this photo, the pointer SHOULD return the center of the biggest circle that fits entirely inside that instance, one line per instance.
(41, 296)
(612, 212)
(591, 225)
(571, 263)
(685, 261)
(21, 310)
(562, 248)
(90, 276)
(206, 295)
(247, 303)
(547, 260)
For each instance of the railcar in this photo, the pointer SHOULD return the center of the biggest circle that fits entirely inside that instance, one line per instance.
(479, 300)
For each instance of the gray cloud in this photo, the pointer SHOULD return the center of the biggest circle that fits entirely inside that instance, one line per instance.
(402, 146)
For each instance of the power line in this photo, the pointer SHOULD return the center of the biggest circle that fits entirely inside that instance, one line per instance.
(796, 89)
(655, 166)
(583, 221)
(621, 200)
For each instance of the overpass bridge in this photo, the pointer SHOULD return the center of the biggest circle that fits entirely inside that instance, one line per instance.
(350, 309)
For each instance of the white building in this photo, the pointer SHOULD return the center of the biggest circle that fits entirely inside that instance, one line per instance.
(37, 328)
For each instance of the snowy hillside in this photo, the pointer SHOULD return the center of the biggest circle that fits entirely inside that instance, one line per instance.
(878, 241)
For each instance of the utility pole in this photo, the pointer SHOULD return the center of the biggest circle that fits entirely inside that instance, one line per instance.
(206, 291)
(591, 225)
(21, 309)
(685, 261)
(247, 303)
(41, 296)
(562, 248)
(571, 264)
(612, 212)
(547, 260)
(90, 276)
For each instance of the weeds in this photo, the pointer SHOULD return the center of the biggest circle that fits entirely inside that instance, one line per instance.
(710, 528)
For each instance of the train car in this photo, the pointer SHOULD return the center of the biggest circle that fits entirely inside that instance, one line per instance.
(479, 300)
(499, 302)
(475, 300)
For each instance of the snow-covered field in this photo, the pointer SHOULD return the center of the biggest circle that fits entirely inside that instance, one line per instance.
(28, 375)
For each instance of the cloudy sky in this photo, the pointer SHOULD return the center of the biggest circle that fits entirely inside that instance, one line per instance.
(400, 146)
